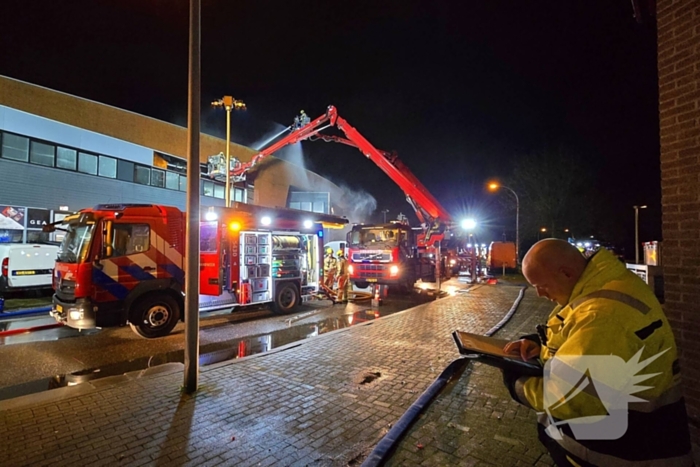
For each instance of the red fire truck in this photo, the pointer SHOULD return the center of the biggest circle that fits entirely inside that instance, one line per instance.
(125, 263)
(403, 255)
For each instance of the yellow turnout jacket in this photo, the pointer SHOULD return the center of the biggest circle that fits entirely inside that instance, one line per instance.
(612, 312)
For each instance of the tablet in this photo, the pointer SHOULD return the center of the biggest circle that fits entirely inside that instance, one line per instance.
(489, 350)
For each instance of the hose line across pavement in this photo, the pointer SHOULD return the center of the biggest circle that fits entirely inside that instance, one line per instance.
(385, 447)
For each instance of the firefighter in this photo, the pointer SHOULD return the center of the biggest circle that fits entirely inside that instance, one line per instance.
(342, 273)
(329, 268)
(604, 312)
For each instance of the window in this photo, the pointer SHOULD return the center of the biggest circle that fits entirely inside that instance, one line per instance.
(128, 239)
(108, 167)
(15, 147)
(142, 175)
(11, 236)
(41, 154)
(66, 158)
(158, 178)
(87, 163)
(183, 183)
(172, 180)
(237, 194)
(37, 236)
(309, 201)
(207, 188)
(219, 191)
(125, 170)
(207, 237)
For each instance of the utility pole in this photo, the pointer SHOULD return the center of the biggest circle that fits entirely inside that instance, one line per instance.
(495, 186)
(192, 228)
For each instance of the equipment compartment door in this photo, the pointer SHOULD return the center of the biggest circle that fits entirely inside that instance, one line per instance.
(210, 252)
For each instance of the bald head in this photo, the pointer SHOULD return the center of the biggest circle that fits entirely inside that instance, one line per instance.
(553, 267)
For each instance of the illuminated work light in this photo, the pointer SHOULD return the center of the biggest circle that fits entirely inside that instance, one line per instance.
(210, 215)
(308, 224)
(468, 224)
(265, 220)
(235, 226)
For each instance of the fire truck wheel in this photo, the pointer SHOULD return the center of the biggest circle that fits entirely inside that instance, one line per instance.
(362, 285)
(286, 298)
(154, 316)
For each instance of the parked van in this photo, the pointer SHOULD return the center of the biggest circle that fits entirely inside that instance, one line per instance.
(337, 245)
(26, 266)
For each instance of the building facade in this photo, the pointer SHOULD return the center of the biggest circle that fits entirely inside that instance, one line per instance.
(678, 37)
(60, 153)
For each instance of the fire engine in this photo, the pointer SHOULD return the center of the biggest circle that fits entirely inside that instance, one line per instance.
(125, 263)
(388, 254)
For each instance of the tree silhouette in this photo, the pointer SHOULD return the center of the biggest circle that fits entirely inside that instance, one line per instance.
(556, 191)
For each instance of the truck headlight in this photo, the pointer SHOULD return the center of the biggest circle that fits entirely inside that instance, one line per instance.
(394, 270)
(75, 315)
(350, 269)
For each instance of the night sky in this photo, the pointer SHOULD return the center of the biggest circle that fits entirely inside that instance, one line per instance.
(460, 89)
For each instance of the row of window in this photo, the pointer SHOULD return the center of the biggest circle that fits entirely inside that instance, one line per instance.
(24, 149)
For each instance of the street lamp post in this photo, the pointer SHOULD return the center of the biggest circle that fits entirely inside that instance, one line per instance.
(228, 103)
(636, 232)
(493, 186)
(385, 212)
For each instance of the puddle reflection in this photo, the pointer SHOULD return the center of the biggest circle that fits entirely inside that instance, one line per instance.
(210, 354)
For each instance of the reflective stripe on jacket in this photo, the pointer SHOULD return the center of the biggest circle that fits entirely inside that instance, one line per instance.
(612, 312)
(329, 264)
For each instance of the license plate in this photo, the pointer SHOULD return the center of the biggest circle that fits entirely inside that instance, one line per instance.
(59, 308)
(371, 280)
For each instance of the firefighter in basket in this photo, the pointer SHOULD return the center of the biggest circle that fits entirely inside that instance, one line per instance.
(343, 282)
(329, 268)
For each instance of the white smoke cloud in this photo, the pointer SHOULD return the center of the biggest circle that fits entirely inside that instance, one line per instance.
(355, 204)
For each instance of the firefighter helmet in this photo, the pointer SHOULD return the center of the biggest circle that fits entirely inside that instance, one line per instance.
(329, 251)
(340, 253)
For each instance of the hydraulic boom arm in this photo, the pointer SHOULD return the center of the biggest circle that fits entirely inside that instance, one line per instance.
(429, 211)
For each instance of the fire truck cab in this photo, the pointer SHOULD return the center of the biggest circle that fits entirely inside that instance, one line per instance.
(125, 264)
(386, 254)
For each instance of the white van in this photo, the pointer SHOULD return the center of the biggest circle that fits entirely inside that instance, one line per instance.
(337, 245)
(26, 266)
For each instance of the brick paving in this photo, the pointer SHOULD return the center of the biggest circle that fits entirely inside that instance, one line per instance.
(474, 421)
(325, 401)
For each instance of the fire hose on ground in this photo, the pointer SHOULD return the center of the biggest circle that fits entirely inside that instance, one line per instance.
(383, 450)
(352, 295)
(27, 312)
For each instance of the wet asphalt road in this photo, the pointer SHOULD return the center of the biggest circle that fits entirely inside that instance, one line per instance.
(57, 357)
